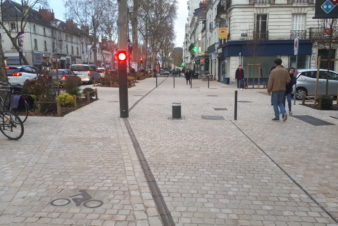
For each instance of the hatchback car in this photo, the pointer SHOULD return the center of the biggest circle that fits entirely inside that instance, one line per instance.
(18, 74)
(307, 78)
(61, 75)
(86, 72)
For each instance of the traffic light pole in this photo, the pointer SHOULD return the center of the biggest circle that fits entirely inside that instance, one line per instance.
(122, 65)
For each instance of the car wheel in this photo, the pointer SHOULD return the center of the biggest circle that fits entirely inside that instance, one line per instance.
(300, 92)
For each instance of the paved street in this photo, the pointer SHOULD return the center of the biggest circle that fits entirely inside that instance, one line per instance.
(252, 171)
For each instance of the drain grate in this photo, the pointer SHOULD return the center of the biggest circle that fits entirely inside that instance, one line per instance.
(312, 120)
(212, 117)
(220, 109)
(244, 101)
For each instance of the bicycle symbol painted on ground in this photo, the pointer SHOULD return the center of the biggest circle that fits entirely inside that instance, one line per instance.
(82, 198)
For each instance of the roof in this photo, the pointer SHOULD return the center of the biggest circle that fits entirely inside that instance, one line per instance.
(13, 12)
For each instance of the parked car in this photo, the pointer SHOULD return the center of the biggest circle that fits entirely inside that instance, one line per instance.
(164, 72)
(62, 75)
(101, 71)
(86, 72)
(307, 78)
(18, 74)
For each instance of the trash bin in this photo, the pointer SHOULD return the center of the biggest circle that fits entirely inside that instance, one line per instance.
(176, 108)
(226, 81)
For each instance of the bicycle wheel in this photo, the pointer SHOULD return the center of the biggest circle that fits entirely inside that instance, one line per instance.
(93, 203)
(23, 114)
(60, 202)
(11, 125)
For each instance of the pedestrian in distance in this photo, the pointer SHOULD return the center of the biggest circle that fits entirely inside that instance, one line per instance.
(288, 88)
(239, 76)
(187, 76)
(278, 79)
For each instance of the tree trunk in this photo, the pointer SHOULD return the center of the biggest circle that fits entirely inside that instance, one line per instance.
(134, 25)
(3, 76)
(15, 44)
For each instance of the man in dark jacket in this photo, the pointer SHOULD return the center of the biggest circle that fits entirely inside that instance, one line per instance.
(239, 76)
(278, 79)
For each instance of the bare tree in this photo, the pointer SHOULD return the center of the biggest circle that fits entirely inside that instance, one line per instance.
(156, 19)
(23, 16)
(92, 14)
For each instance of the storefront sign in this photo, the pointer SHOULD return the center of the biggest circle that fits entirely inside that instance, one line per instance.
(223, 33)
(326, 9)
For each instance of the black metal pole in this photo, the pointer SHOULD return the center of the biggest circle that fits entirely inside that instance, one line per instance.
(190, 83)
(123, 90)
(235, 113)
(208, 81)
(174, 81)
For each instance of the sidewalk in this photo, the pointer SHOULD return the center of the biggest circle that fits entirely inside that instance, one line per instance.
(252, 171)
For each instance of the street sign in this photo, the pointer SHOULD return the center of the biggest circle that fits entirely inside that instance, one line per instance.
(326, 9)
(295, 46)
(223, 33)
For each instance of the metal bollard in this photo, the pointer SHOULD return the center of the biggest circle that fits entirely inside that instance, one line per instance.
(190, 83)
(208, 81)
(176, 110)
(174, 81)
(235, 113)
(156, 81)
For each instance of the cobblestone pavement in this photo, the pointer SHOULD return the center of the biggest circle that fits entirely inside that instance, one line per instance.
(210, 172)
(89, 150)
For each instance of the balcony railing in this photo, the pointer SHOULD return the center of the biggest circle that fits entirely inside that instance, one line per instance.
(324, 34)
(290, 2)
(301, 34)
(260, 35)
(261, 2)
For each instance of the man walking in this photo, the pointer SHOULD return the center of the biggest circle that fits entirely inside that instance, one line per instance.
(278, 79)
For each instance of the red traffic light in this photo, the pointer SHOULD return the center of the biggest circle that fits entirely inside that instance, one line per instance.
(121, 56)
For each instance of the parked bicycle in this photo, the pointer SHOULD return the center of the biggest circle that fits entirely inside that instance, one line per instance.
(11, 101)
(11, 125)
(82, 198)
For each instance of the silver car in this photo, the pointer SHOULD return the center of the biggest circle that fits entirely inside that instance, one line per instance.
(86, 72)
(307, 78)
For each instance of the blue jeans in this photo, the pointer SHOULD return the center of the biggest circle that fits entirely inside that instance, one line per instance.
(288, 98)
(277, 102)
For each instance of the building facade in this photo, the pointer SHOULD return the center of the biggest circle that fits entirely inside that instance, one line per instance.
(261, 30)
(48, 39)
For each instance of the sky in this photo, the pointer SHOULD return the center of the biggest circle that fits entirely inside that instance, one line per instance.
(182, 13)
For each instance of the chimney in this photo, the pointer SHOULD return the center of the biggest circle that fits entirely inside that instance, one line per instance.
(47, 14)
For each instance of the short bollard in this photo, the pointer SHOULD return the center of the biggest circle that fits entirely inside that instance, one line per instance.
(208, 81)
(176, 110)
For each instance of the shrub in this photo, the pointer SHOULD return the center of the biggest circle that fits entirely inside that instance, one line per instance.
(41, 88)
(72, 84)
(65, 100)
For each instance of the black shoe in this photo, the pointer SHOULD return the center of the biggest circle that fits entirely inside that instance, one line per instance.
(275, 119)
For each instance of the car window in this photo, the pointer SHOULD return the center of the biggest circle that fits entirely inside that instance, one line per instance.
(332, 75)
(310, 74)
(79, 68)
(324, 75)
(92, 68)
(27, 69)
